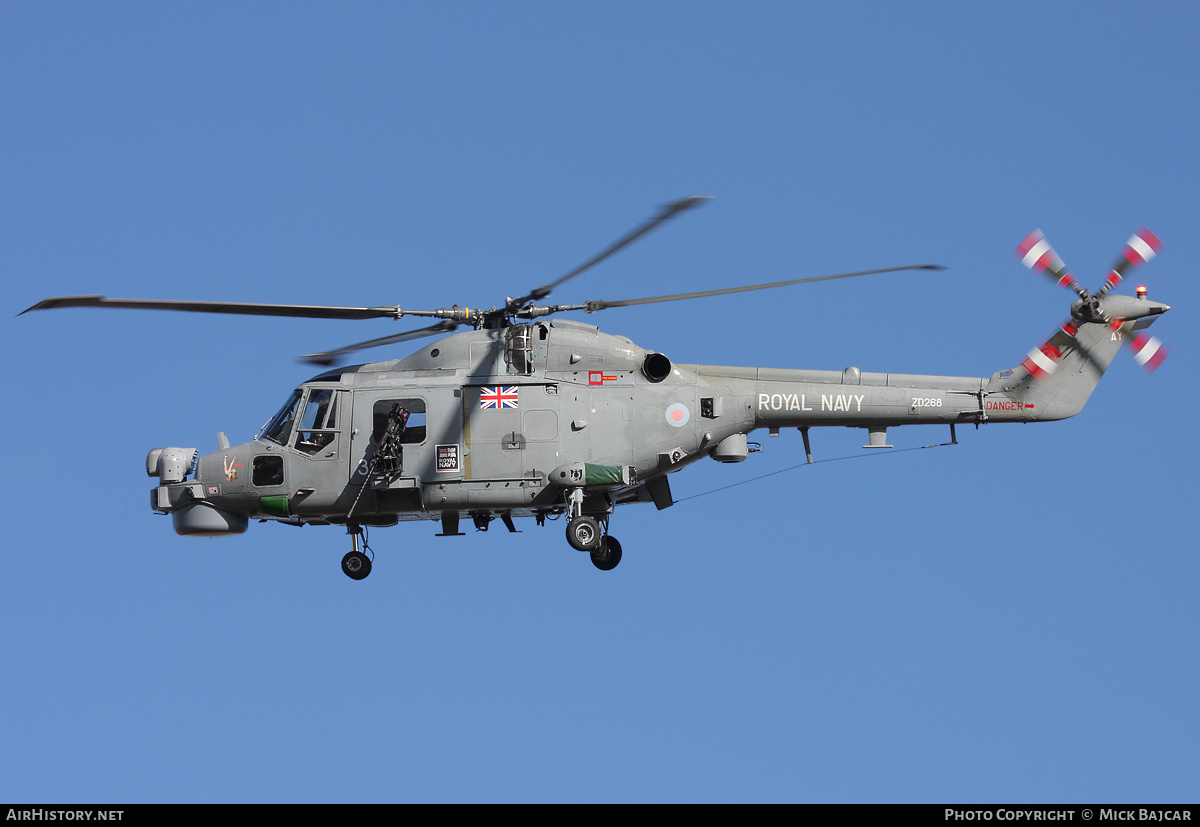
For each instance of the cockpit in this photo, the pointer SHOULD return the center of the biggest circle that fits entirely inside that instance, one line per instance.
(318, 423)
(279, 426)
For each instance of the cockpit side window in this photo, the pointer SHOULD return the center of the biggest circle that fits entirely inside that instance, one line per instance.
(318, 425)
(320, 412)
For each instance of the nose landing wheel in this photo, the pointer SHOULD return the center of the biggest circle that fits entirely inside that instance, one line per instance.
(357, 564)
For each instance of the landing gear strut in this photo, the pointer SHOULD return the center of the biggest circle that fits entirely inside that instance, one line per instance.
(585, 533)
(356, 564)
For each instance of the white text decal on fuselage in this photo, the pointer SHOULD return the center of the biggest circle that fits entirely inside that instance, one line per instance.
(799, 402)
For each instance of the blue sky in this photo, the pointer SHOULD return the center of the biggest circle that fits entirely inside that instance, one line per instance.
(1010, 619)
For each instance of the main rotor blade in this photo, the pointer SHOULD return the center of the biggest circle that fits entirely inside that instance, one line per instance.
(332, 357)
(666, 213)
(593, 306)
(238, 308)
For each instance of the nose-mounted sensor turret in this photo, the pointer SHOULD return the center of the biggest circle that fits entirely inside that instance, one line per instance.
(171, 465)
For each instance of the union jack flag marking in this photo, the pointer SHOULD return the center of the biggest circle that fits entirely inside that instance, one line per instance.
(495, 398)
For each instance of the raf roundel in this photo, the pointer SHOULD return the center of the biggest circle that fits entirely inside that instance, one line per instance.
(678, 415)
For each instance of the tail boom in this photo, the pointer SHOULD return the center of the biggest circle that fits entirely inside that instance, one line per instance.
(1053, 382)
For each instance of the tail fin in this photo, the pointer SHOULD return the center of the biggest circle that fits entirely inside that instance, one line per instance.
(1056, 379)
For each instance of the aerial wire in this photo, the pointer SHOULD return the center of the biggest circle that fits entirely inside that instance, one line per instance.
(814, 462)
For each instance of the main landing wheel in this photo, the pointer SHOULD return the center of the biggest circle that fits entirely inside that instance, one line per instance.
(608, 555)
(356, 565)
(583, 533)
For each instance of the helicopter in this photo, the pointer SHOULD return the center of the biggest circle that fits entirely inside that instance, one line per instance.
(524, 415)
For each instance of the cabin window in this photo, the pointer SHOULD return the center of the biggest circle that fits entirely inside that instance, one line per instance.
(415, 429)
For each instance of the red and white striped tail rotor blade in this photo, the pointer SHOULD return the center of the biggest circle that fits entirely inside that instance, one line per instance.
(1148, 351)
(1042, 361)
(1070, 328)
(1141, 247)
(1036, 253)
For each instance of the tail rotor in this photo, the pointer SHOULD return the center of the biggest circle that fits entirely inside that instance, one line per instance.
(1036, 253)
(1141, 247)
(1119, 313)
(1147, 351)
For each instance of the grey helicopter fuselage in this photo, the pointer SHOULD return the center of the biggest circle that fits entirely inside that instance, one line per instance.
(512, 421)
(521, 417)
